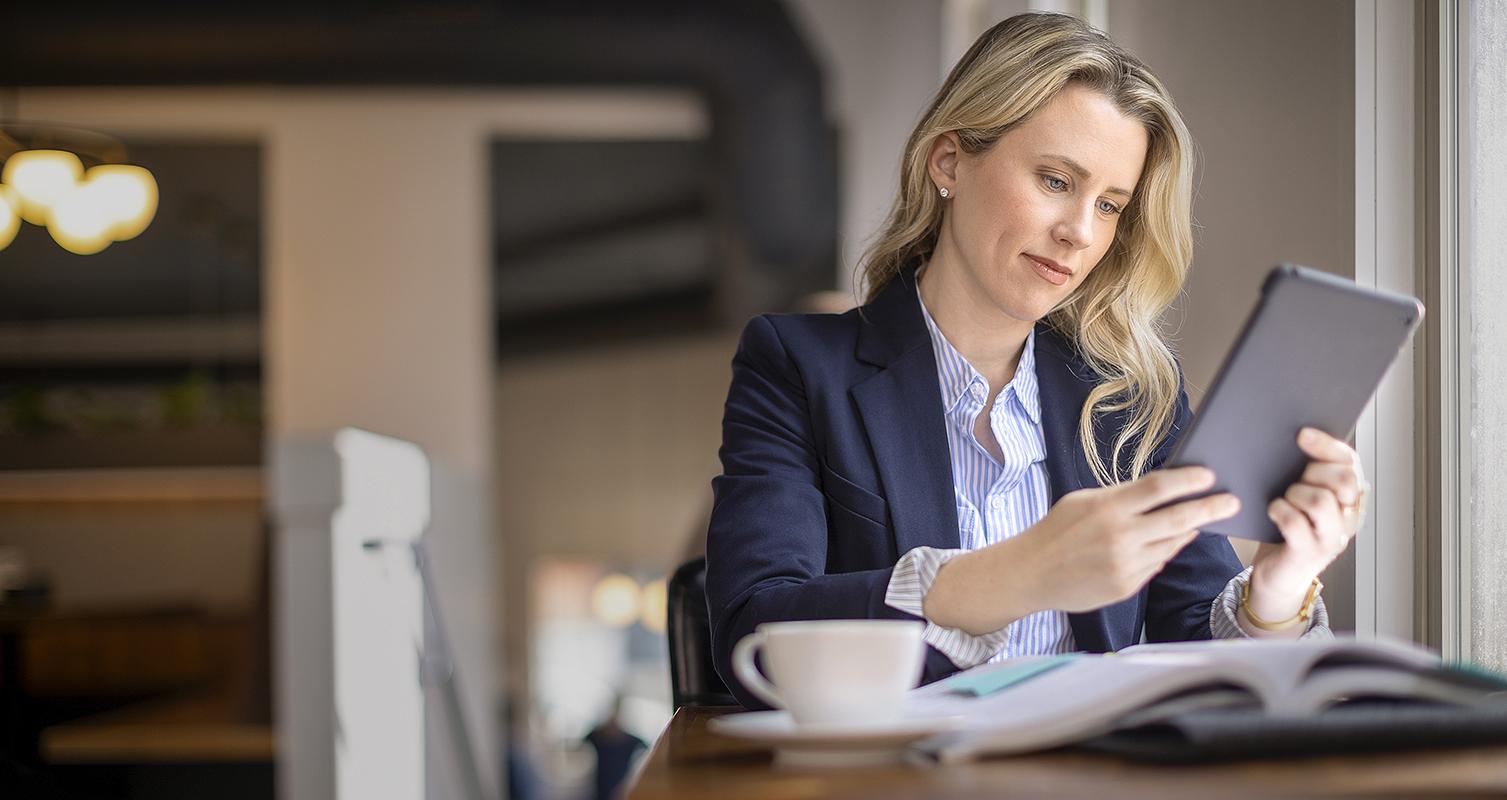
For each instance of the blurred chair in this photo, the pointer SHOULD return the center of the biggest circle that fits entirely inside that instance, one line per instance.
(693, 677)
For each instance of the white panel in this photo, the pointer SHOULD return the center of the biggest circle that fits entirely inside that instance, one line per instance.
(378, 613)
(1365, 275)
(350, 617)
(1486, 560)
(1385, 258)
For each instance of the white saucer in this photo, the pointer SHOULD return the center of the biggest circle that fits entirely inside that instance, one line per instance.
(828, 745)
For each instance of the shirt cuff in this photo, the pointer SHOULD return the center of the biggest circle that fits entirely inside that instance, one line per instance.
(1224, 620)
(909, 583)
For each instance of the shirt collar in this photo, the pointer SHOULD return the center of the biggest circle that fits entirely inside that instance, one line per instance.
(1024, 381)
(955, 374)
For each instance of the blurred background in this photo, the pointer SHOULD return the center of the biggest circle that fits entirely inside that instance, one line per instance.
(523, 237)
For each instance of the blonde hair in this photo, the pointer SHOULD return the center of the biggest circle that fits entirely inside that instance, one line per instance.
(1111, 319)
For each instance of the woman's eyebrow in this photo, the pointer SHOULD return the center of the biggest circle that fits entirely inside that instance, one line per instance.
(1084, 175)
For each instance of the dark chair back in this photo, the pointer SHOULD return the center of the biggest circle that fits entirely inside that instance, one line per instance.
(693, 677)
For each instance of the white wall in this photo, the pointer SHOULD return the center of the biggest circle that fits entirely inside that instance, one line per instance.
(880, 60)
(630, 487)
(1267, 91)
(378, 316)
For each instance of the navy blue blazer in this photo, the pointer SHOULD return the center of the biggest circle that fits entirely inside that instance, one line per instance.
(835, 463)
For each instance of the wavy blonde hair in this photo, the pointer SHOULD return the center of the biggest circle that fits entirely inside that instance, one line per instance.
(1111, 319)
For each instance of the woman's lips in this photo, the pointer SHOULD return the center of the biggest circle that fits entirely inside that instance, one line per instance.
(1056, 277)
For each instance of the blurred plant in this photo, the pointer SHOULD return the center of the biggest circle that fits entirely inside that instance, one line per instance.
(195, 400)
(241, 404)
(184, 403)
(25, 411)
(101, 415)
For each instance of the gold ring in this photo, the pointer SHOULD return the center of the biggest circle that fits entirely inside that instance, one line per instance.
(1358, 505)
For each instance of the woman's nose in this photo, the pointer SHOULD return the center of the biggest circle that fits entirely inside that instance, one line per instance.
(1075, 229)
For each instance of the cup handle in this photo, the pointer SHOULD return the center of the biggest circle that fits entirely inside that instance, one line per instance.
(748, 674)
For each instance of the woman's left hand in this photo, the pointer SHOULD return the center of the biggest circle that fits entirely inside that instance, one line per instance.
(1318, 516)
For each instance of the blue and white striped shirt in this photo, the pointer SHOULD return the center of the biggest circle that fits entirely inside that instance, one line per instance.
(999, 499)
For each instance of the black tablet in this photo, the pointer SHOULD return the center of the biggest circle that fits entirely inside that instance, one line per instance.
(1311, 354)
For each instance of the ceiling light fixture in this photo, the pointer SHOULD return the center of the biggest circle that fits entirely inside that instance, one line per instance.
(73, 182)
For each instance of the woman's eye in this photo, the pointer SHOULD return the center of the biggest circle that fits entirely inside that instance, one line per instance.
(1108, 207)
(1054, 183)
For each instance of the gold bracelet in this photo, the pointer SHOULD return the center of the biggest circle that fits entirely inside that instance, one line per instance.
(1301, 617)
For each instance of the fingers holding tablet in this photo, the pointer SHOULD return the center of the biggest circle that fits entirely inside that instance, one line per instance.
(1297, 529)
(1162, 487)
(1341, 479)
(1318, 514)
(1320, 446)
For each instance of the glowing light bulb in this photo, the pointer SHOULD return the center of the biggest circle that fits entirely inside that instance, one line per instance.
(81, 221)
(615, 600)
(41, 179)
(129, 196)
(10, 219)
(652, 609)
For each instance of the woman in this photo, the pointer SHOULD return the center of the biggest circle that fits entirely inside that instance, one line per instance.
(977, 447)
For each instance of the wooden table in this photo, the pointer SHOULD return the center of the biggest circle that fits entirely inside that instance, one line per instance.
(688, 761)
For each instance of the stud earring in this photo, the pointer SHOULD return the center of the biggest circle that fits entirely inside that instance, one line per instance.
(943, 191)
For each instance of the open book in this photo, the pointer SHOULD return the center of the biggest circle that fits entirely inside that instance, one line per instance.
(1039, 702)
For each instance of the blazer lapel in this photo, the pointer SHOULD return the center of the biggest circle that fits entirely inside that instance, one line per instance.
(901, 410)
(1063, 393)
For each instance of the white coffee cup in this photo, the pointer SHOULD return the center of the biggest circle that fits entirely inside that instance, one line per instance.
(853, 671)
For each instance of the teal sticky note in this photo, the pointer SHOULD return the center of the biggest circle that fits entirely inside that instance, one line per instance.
(1477, 674)
(987, 682)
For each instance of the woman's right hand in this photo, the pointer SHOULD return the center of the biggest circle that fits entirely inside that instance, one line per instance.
(1095, 547)
(1100, 546)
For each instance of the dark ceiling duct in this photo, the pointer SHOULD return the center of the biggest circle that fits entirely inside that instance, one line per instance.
(762, 84)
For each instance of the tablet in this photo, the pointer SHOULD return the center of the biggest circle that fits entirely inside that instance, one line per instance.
(1311, 354)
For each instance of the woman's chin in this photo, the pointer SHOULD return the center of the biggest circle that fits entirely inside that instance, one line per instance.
(1028, 301)
(1022, 310)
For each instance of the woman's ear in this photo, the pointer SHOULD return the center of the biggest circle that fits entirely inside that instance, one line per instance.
(942, 162)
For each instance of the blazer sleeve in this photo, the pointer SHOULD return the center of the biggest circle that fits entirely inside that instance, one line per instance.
(767, 541)
(1179, 598)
